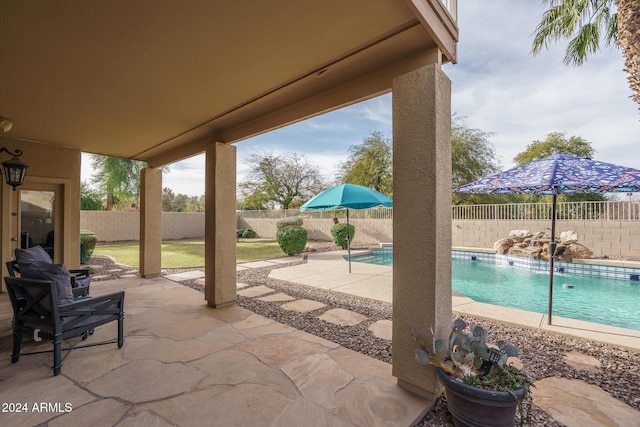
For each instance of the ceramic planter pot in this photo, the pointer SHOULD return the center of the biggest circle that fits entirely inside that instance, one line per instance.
(472, 406)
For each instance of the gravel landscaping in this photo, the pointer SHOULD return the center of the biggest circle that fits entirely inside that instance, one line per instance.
(540, 352)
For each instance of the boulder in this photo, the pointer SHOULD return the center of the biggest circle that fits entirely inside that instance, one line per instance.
(544, 252)
(523, 243)
(580, 251)
(503, 245)
(539, 235)
(536, 253)
(565, 253)
(568, 237)
(517, 251)
(519, 235)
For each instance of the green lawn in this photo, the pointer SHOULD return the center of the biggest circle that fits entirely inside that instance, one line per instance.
(190, 254)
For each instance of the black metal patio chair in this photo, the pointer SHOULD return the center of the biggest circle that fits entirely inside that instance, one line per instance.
(35, 258)
(37, 312)
(80, 278)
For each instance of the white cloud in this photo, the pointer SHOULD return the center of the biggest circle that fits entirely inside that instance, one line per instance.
(377, 110)
(186, 176)
(501, 88)
(86, 172)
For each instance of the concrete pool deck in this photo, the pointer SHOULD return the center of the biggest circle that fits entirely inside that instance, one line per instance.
(328, 270)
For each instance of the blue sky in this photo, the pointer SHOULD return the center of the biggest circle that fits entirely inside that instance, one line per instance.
(497, 85)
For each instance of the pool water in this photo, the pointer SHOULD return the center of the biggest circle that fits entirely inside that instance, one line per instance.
(608, 302)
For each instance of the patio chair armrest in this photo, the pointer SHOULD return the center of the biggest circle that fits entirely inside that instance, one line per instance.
(80, 272)
(92, 302)
(79, 292)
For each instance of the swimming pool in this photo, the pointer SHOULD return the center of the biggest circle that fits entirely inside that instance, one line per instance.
(596, 300)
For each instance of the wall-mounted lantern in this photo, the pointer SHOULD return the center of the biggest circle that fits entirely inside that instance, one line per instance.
(14, 169)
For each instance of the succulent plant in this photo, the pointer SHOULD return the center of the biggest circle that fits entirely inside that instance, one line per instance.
(466, 354)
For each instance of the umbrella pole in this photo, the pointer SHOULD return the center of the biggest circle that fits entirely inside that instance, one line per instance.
(552, 251)
(348, 241)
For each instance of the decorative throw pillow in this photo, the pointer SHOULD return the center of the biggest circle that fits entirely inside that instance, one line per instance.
(35, 253)
(58, 273)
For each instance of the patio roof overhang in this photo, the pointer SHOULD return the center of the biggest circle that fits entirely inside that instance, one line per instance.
(152, 80)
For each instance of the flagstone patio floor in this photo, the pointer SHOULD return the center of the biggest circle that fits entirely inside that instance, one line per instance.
(185, 364)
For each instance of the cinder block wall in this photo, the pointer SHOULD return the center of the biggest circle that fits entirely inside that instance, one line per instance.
(610, 238)
(116, 226)
(182, 225)
(112, 226)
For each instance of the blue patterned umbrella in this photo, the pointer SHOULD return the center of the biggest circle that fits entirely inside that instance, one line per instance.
(558, 174)
(553, 175)
(347, 196)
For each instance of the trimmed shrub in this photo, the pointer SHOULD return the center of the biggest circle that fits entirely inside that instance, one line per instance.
(292, 239)
(294, 221)
(88, 240)
(339, 234)
(248, 233)
(240, 232)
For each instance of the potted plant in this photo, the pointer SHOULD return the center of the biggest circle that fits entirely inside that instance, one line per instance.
(481, 388)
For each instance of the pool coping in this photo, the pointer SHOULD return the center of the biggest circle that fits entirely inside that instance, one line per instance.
(328, 270)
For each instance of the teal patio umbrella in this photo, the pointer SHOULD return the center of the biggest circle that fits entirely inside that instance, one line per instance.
(347, 196)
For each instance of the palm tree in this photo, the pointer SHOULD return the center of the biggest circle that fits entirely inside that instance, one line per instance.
(585, 23)
(629, 40)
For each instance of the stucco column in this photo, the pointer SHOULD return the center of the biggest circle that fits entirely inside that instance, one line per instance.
(421, 219)
(150, 222)
(220, 225)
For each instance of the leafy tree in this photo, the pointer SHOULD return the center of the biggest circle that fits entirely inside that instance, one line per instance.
(252, 200)
(555, 142)
(281, 179)
(167, 199)
(117, 178)
(370, 164)
(181, 202)
(90, 199)
(195, 204)
(586, 23)
(473, 157)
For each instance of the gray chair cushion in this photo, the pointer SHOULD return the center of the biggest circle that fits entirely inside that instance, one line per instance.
(58, 273)
(83, 282)
(35, 253)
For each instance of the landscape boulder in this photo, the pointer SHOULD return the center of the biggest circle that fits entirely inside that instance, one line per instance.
(565, 253)
(523, 243)
(503, 245)
(568, 237)
(517, 251)
(580, 251)
(519, 235)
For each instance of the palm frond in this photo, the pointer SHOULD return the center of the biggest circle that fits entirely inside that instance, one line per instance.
(581, 21)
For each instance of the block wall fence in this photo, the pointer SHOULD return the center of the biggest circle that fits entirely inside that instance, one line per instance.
(613, 238)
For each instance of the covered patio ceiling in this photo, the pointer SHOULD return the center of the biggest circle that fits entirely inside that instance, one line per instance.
(153, 80)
